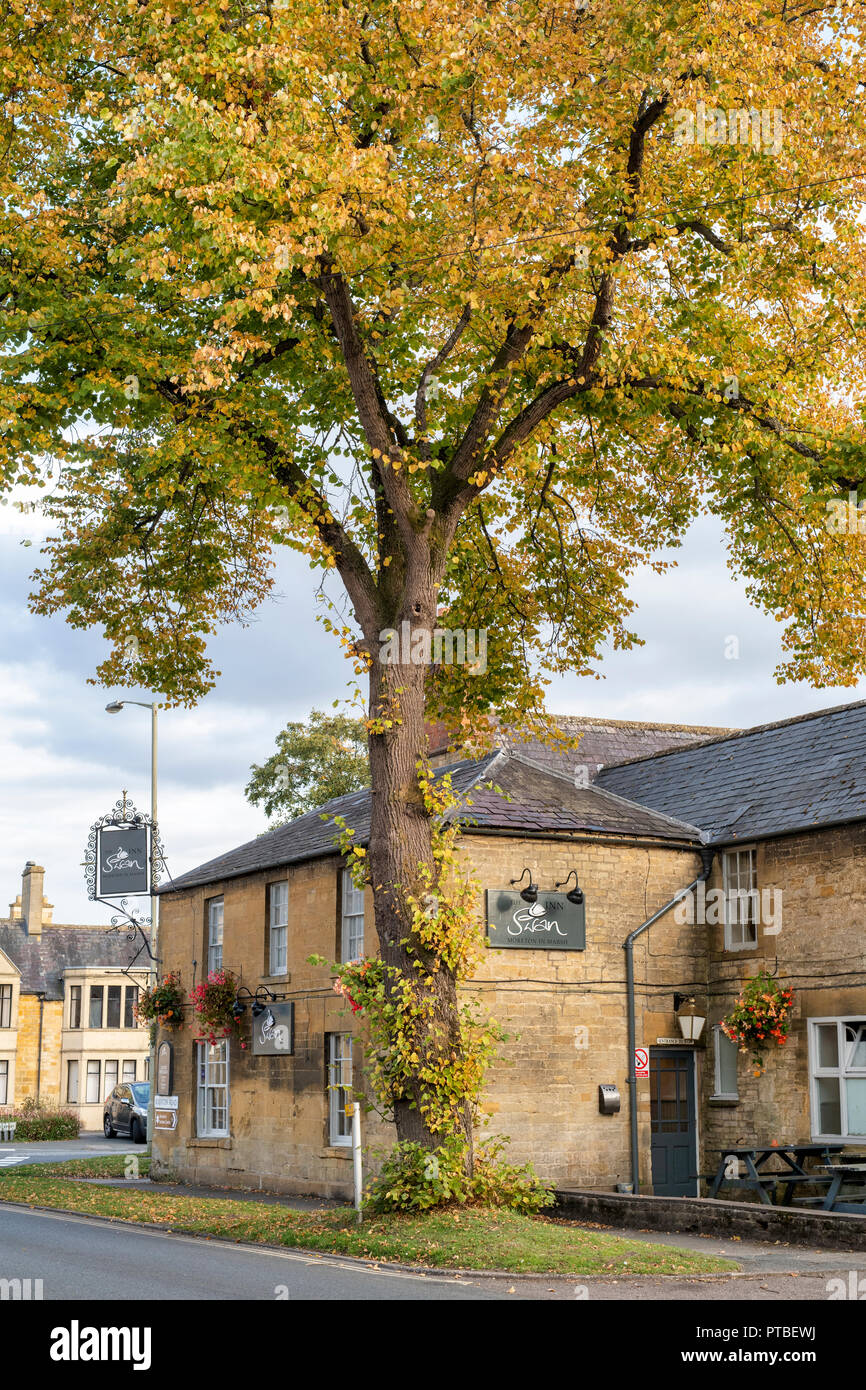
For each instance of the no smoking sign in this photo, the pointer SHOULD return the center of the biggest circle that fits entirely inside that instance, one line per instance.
(641, 1062)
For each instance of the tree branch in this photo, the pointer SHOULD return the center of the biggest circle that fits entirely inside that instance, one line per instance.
(430, 367)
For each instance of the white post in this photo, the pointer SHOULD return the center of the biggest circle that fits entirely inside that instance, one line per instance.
(355, 1110)
(154, 923)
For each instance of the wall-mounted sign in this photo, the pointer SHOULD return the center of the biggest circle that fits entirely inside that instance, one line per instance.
(550, 924)
(274, 1031)
(164, 1069)
(669, 1042)
(165, 1102)
(165, 1119)
(641, 1062)
(123, 861)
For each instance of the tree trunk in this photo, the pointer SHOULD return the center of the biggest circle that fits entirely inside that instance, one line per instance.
(401, 841)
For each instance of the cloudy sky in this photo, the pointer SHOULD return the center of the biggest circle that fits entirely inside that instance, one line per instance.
(64, 761)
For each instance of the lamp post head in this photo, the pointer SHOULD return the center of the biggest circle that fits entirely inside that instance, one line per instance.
(114, 707)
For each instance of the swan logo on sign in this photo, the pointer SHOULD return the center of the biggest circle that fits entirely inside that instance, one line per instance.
(551, 923)
(274, 1031)
(123, 860)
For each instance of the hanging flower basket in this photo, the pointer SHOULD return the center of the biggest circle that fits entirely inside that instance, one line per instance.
(760, 1017)
(212, 1003)
(163, 1003)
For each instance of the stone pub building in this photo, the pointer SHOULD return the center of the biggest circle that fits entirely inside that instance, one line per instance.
(633, 816)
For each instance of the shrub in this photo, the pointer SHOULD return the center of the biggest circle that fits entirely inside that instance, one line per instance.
(417, 1179)
(515, 1186)
(36, 1121)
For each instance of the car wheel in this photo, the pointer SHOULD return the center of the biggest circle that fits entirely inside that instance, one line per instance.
(109, 1132)
(136, 1133)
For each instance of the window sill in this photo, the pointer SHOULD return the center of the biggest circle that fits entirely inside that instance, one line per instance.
(336, 1151)
(276, 979)
(209, 1143)
(723, 1100)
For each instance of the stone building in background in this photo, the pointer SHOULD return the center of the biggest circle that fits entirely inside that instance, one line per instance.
(775, 816)
(68, 1034)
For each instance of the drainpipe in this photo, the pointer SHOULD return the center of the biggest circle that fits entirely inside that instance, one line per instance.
(628, 947)
(41, 998)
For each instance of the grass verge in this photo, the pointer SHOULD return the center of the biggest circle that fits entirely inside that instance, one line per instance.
(462, 1238)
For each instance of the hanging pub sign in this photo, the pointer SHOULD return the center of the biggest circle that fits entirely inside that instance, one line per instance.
(123, 861)
(123, 854)
(550, 924)
(274, 1031)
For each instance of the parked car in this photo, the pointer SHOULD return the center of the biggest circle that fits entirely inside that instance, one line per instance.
(125, 1111)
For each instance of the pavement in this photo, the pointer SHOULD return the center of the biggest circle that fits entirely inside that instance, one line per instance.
(88, 1145)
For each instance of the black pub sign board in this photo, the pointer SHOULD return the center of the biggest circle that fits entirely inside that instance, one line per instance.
(164, 1069)
(274, 1031)
(550, 924)
(123, 861)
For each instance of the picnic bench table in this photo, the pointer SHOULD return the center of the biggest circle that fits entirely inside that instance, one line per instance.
(761, 1179)
(846, 1175)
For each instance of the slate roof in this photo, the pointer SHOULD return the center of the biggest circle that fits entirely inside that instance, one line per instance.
(43, 959)
(797, 774)
(606, 741)
(537, 800)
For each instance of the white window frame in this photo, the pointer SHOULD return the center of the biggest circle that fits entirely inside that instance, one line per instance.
(91, 999)
(339, 1088)
(278, 927)
(73, 1069)
(89, 1072)
(6, 1005)
(76, 996)
(209, 1083)
(113, 1065)
(351, 919)
(5, 1073)
(745, 896)
(841, 1071)
(720, 1041)
(119, 1000)
(215, 923)
(127, 1071)
(130, 998)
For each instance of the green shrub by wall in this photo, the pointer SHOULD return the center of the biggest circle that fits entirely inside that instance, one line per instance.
(35, 1122)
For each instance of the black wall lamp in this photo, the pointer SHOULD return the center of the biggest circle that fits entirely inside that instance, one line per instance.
(576, 894)
(529, 894)
(239, 1008)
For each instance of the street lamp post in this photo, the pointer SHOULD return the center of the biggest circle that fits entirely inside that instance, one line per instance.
(114, 707)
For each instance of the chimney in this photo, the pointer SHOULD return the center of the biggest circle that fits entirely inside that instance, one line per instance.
(31, 897)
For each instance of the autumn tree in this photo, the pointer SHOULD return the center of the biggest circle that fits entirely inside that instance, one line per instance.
(314, 761)
(476, 303)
